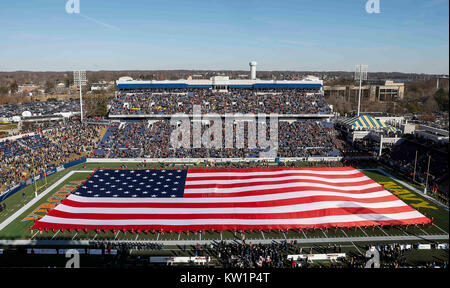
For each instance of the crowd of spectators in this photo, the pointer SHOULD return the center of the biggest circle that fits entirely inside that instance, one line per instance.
(242, 255)
(134, 254)
(402, 157)
(23, 157)
(39, 108)
(126, 246)
(152, 140)
(390, 256)
(56, 142)
(307, 139)
(238, 101)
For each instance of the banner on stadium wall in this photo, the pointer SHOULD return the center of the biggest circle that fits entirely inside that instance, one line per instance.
(111, 252)
(63, 251)
(216, 160)
(331, 256)
(41, 251)
(179, 259)
(50, 172)
(424, 246)
(10, 192)
(443, 246)
(95, 251)
(175, 160)
(74, 163)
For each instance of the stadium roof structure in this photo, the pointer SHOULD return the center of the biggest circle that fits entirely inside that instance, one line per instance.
(219, 81)
(365, 122)
(393, 129)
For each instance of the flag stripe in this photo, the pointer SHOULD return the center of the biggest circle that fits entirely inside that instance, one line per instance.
(230, 221)
(270, 195)
(286, 215)
(328, 178)
(253, 210)
(198, 204)
(278, 186)
(298, 182)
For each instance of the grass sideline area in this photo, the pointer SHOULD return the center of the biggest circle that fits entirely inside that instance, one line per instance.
(19, 229)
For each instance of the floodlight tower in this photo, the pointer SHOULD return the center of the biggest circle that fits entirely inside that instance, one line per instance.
(79, 78)
(360, 74)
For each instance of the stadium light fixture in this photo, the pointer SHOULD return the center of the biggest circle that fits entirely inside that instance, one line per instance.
(360, 74)
(79, 79)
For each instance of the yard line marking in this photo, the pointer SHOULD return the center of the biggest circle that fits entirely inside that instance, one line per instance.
(384, 232)
(263, 235)
(157, 238)
(116, 235)
(95, 236)
(423, 231)
(404, 232)
(284, 235)
(357, 248)
(221, 238)
(364, 232)
(346, 235)
(304, 234)
(136, 237)
(75, 235)
(55, 234)
(445, 232)
(34, 235)
(324, 233)
(179, 234)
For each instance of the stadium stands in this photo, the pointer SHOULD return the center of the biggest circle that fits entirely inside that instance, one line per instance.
(134, 139)
(39, 108)
(46, 150)
(242, 101)
(403, 155)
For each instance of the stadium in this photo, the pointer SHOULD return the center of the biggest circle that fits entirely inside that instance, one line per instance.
(268, 176)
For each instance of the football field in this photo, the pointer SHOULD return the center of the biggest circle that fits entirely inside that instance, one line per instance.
(23, 209)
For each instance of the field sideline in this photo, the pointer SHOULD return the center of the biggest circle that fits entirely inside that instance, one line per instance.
(18, 228)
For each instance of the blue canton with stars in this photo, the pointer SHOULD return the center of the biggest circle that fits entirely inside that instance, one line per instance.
(134, 184)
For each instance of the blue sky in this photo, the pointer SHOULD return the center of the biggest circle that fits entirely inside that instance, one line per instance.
(318, 35)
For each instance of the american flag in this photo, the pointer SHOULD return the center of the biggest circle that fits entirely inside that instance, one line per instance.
(228, 199)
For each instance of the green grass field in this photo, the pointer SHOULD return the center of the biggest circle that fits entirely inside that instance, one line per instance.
(19, 229)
